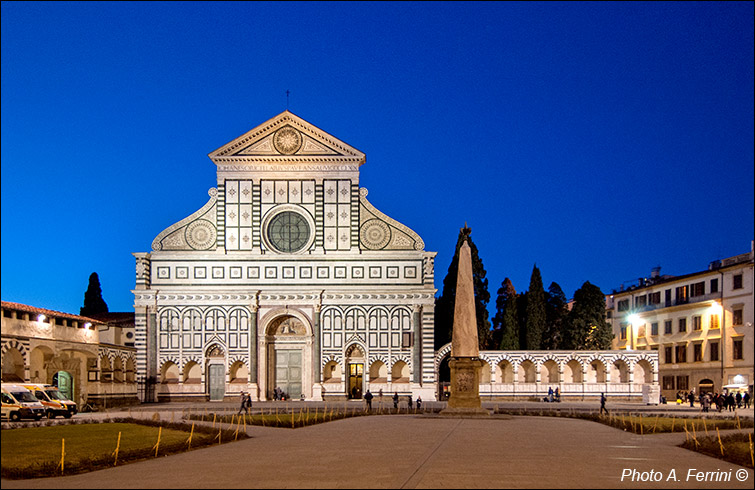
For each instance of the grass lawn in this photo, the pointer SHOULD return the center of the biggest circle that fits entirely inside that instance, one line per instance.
(650, 424)
(737, 448)
(32, 452)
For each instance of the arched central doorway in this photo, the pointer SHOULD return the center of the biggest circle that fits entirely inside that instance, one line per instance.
(287, 336)
(355, 361)
(215, 373)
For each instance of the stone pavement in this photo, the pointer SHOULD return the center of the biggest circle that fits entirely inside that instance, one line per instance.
(423, 451)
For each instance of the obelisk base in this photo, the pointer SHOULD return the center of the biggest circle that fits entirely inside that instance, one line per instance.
(465, 388)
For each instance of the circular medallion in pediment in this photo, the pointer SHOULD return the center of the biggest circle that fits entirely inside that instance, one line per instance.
(200, 234)
(375, 234)
(287, 140)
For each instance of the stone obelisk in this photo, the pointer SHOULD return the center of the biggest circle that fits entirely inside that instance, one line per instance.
(465, 360)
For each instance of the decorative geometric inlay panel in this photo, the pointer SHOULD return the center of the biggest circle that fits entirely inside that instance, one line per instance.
(287, 140)
(200, 234)
(375, 234)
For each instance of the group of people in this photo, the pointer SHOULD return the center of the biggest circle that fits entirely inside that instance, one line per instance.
(278, 394)
(368, 396)
(553, 395)
(246, 402)
(729, 402)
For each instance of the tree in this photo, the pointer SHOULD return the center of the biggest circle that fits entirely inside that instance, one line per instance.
(556, 310)
(506, 320)
(588, 328)
(535, 325)
(521, 314)
(93, 302)
(444, 305)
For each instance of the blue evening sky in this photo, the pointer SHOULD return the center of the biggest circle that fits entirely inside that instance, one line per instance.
(597, 140)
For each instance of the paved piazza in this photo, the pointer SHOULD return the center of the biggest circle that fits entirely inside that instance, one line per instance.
(410, 451)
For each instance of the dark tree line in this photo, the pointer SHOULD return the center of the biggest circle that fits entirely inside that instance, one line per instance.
(532, 320)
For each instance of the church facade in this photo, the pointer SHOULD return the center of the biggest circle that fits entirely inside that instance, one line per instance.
(287, 278)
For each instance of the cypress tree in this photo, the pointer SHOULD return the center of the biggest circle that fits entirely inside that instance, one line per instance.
(444, 305)
(535, 325)
(588, 328)
(93, 302)
(521, 314)
(506, 320)
(556, 310)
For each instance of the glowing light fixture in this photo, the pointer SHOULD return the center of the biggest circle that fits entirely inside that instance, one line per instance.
(635, 319)
(88, 325)
(41, 318)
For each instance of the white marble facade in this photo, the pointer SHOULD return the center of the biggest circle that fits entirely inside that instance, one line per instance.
(287, 277)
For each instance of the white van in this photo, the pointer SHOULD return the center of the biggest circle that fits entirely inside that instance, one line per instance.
(19, 403)
(54, 401)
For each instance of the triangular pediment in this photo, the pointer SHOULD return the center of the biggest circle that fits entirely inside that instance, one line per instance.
(287, 138)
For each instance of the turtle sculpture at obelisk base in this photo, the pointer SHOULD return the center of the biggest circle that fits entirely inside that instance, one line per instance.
(465, 360)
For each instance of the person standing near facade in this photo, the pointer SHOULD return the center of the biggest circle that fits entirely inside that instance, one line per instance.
(419, 403)
(603, 404)
(368, 399)
(746, 399)
(395, 400)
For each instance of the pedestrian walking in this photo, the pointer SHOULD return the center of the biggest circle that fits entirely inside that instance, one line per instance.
(419, 403)
(746, 399)
(603, 404)
(245, 403)
(410, 401)
(395, 400)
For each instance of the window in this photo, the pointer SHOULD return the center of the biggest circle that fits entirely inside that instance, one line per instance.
(654, 298)
(736, 351)
(697, 289)
(714, 285)
(8, 313)
(640, 301)
(697, 352)
(668, 382)
(654, 328)
(713, 351)
(682, 324)
(682, 294)
(667, 326)
(623, 331)
(737, 281)
(714, 321)
(623, 305)
(667, 354)
(681, 353)
(668, 297)
(737, 316)
(682, 383)
(697, 323)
